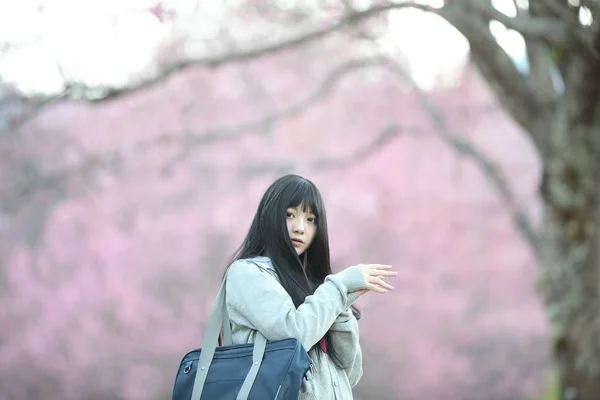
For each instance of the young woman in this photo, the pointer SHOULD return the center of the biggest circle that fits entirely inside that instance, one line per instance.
(280, 283)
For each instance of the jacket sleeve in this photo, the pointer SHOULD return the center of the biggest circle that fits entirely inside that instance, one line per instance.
(258, 300)
(344, 334)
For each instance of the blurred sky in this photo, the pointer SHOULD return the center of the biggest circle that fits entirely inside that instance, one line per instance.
(111, 41)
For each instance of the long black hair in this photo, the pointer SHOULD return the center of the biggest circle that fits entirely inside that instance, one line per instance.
(268, 236)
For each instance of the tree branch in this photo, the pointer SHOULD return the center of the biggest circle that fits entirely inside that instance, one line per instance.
(516, 92)
(386, 135)
(490, 170)
(534, 28)
(530, 26)
(583, 77)
(188, 140)
(28, 108)
(114, 161)
(541, 69)
(463, 146)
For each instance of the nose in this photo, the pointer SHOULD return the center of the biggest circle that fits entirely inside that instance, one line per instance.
(299, 226)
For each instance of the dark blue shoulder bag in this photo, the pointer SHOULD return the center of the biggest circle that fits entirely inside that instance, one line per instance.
(259, 371)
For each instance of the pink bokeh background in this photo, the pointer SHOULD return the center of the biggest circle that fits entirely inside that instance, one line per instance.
(111, 272)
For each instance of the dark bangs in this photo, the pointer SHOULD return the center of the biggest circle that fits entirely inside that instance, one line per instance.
(307, 195)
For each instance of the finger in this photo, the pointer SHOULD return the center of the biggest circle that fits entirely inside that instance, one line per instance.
(379, 266)
(375, 288)
(383, 273)
(380, 282)
(383, 283)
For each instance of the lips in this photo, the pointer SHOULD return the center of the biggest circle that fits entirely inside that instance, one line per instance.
(299, 241)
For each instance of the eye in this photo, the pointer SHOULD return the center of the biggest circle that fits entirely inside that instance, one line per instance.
(312, 220)
(289, 214)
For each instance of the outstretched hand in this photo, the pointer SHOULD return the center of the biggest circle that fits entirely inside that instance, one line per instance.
(374, 275)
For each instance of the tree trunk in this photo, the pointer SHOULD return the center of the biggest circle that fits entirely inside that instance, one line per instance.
(569, 256)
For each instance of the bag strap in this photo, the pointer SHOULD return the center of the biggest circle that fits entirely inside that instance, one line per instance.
(227, 338)
(260, 343)
(219, 318)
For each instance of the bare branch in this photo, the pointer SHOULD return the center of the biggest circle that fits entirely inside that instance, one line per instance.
(31, 179)
(541, 64)
(30, 107)
(533, 27)
(386, 135)
(188, 140)
(536, 28)
(559, 8)
(460, 144)
(518, 10)
(463, 146)
(516, 92)
(585, 70)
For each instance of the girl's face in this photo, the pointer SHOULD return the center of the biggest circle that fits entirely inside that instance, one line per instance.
(302, 227)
